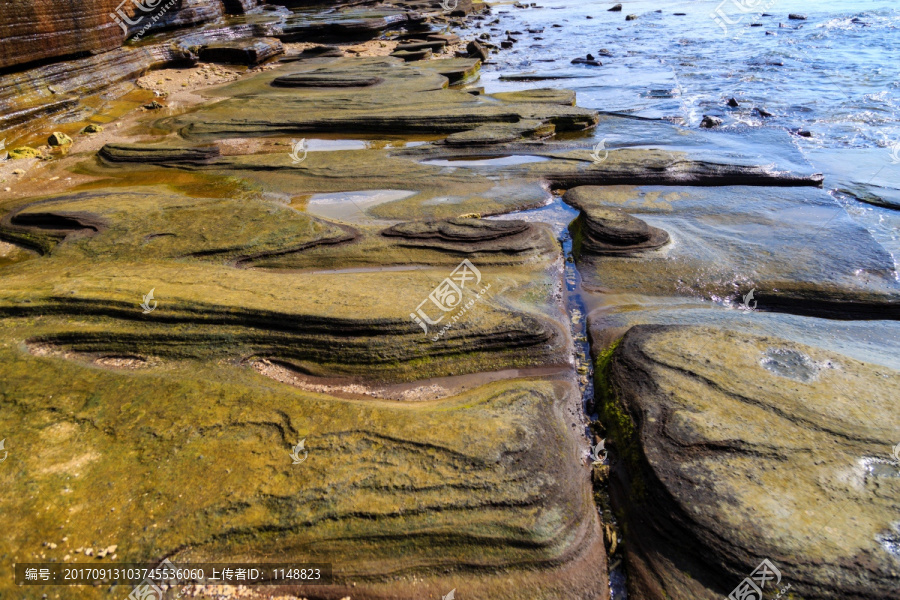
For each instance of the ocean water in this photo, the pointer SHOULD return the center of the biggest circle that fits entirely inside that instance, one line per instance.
(835, 75)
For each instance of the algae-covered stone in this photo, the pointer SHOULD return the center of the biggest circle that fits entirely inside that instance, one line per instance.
(59, 139)
(25, 152)
(92, 128)
(739, 448)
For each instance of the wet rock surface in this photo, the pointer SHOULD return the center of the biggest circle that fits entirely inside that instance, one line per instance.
(770, 451)
(395, 262)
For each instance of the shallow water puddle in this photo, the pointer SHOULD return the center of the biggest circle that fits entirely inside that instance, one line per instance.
(487, 161)
(351, 206)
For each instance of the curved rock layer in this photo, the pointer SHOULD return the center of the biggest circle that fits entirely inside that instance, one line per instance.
(404, 499)
(469, 236)
(737, 448)
(411, 98)
(609, 230)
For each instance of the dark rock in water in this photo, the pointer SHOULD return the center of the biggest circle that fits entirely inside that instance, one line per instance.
(756, 24)
(733, 103)
(796, 17)
(771, 33)
(720, 435)
(157, 155)
(802, 133)
(470, 235)
(766, 15)
(506, 44)
(710, 121)
(604, 52)
(608, 230)
(587, 61)
(92, 128)
(250, 51)
(476, 50)
(153, 106)
(556, 25)
(680, 14)
(540, 95)
(412, 55)
(631, 17)
(873, 194)
(762, 112)
(616, 8)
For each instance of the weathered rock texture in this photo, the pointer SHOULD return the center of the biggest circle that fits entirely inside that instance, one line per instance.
(806, 255)
(737, 448)
(40, 30)
(609, 230)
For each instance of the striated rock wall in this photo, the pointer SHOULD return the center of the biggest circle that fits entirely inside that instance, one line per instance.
(43, 30)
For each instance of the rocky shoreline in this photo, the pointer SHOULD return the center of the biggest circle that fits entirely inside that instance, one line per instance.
(256, 224)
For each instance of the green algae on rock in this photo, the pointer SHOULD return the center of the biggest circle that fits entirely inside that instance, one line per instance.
(395, 495)
(410, 98)
(752, 447)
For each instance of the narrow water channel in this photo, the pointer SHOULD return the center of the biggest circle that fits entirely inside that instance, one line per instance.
(559, 216)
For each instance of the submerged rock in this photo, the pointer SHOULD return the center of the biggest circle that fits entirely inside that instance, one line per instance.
(738, 447)
(603, 229)
(710, 121)
(808, 261)
(616, 8)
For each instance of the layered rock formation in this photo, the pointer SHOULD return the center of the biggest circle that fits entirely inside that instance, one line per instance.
(609, 230)
(773, 450)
